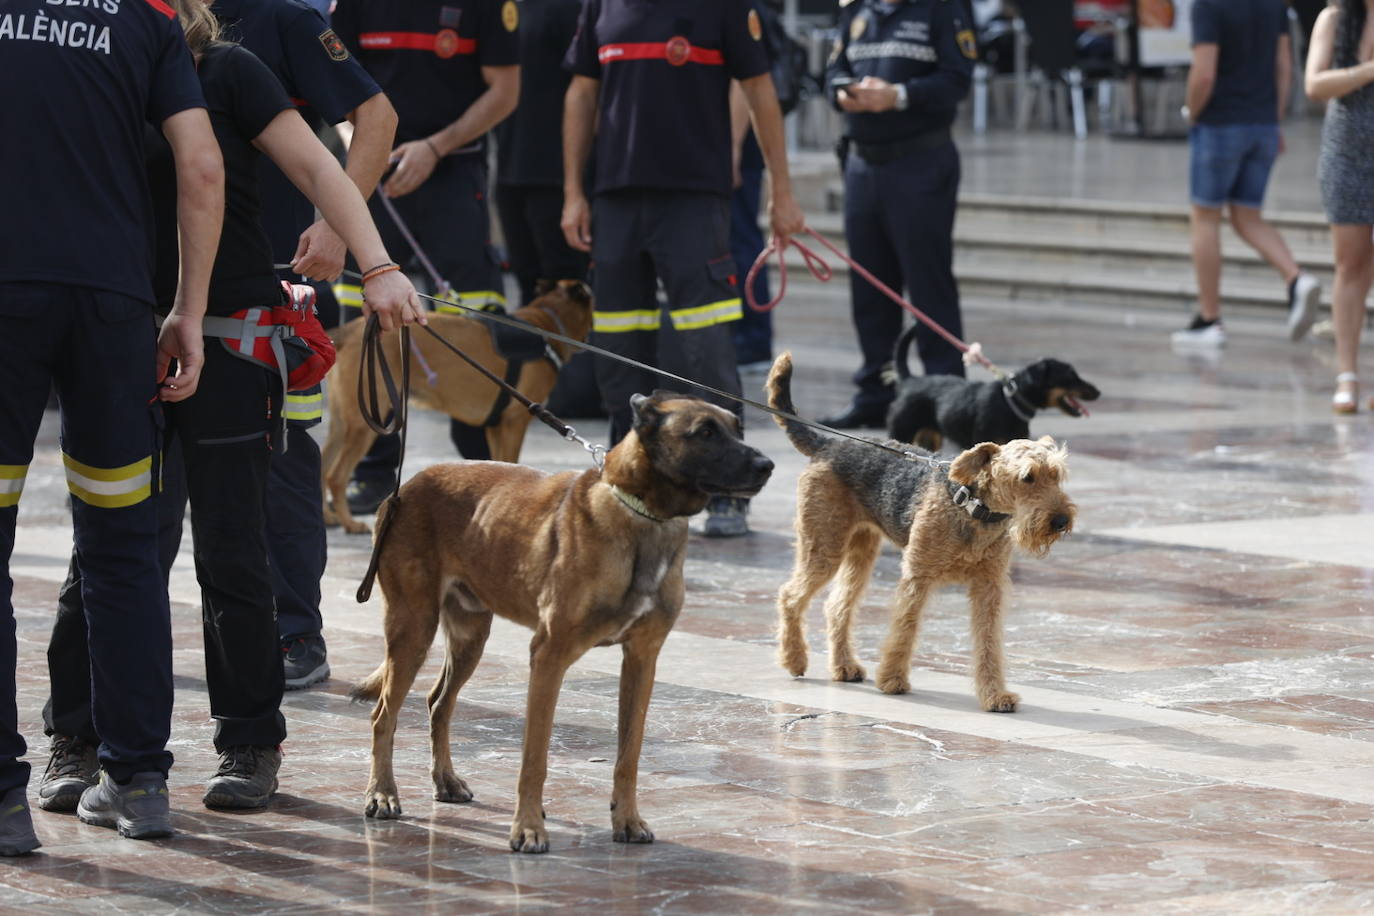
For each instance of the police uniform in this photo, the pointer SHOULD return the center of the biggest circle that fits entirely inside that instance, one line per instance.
(901, 179)
(428, 57)
(78, 84)
(661, 208)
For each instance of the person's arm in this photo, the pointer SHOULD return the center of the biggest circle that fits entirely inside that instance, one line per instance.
(784, 213)
(200, 215)
(1283, 74)
(1202, 79)
(944, 88)
(579, 126)
(739, 128)
(416, 160)
(320, 253)
(290, 143)
(1324, 83)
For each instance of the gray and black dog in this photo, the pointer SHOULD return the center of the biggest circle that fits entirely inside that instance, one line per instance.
(930, 408)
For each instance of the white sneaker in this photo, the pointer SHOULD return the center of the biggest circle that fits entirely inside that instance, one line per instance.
(1201, 334)
(1304, 295)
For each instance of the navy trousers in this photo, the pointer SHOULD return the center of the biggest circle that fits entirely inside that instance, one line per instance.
(753, 333)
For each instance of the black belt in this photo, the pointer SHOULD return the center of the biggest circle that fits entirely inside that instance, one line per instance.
(879, 153)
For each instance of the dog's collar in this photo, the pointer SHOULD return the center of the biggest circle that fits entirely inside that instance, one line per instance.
(975, 507)
(1023, 409)
(634, 503)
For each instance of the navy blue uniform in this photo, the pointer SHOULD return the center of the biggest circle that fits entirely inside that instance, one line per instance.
(663, 182)
(78, 85)
(901, 177)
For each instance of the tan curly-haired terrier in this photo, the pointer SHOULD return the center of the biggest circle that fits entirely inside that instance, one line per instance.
(956, 522)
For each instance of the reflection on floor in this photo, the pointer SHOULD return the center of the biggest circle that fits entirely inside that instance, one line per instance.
(1196, 664)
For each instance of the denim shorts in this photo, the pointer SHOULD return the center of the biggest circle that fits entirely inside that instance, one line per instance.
(1230, 163)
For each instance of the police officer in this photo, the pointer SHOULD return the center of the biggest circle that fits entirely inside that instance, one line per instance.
(899, 71)
(653, 81)
(451, 68)
(76, 310)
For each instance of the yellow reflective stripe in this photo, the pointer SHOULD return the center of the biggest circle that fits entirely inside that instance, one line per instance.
(110, 488)
(468, 298)
(12, 483)
(348, 295)
(703, 316)
(305, 406)
(620, 322)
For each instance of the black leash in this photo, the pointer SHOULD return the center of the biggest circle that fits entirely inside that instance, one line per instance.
(383, 424)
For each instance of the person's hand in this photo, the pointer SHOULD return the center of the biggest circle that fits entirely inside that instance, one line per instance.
(848, 102)
(180, 339)
(785, 217)
(415, 162)
(871, 94)
(393, 298)
(577, 222)
(319, 254)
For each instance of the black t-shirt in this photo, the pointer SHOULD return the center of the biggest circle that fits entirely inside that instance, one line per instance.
(428, 55)
(324, 81)
(529, 144)
(243, 97)
(78, 84)
(1246, 33)
(665, 71)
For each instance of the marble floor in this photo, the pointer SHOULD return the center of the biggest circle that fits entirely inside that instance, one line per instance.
(1196, 666)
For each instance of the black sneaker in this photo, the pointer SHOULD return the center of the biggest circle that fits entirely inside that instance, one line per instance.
(72, 769)
(247, 777)
(364, 496)
(139, 809)
(726, 517)
(856, 417)
(16, 824)
(304, 661)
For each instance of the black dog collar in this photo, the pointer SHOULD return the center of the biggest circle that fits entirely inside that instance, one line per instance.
(1023, 409)
(975, 507)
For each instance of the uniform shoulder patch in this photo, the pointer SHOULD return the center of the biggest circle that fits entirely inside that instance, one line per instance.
(334, 45)
(510, 15)
(755, 26)
(967, 43)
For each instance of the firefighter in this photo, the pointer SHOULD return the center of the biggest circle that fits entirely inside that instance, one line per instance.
(653, 83)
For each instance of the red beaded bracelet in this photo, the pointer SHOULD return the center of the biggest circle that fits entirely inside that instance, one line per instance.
(379, 270)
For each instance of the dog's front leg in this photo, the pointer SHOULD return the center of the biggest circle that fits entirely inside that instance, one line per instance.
(550, 657)
(987, 596)
(636, 685)
(913, 592)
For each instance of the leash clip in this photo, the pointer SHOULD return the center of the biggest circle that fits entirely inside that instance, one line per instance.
(598, 451)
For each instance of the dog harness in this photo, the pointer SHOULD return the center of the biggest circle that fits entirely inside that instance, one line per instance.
(515, 362)
(965, 499)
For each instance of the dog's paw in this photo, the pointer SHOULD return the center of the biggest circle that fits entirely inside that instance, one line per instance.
(529, 839)
(847, 671)
(630, 830)
(354, 526)
(383, 805)
(449, 788)
(793, 660)
(1000, 701)
(893, 683)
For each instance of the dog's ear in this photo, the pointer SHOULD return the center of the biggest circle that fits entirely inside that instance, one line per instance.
(966, 467)
(1048, 441)
(646, 413)
(544, 285)
(577, 291)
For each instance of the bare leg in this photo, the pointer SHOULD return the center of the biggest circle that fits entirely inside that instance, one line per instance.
(1206, 232)
(1354, 273)
(1265, 239)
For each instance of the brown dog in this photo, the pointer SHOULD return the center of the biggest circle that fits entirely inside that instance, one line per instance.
(584, 559)
(460, 391)
(956, 522)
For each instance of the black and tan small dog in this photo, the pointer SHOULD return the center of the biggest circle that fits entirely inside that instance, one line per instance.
(583, 559)
(931, 408)
(956, 522)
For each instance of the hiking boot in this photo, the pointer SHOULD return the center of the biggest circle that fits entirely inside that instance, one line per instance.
(247, 777)
(726, 517)
(857, 417)
(16, 824)
(72, 769)
(139, 809)
(1202, 334)
(304, 661)
(1304, 295)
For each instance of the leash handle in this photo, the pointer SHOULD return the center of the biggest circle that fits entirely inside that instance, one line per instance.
(374, 361)
(814, 263)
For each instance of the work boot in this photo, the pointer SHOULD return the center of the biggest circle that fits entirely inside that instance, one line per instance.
(364, 496)
(72, 769)
(139, 809)
(726, 517)
(857, 417)
(247, 777)
(304, 661)
(16, 824)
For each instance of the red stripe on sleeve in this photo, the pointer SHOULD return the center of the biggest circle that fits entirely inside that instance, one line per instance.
(162, 8)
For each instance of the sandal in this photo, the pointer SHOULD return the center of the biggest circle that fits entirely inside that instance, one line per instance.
(1347, 401)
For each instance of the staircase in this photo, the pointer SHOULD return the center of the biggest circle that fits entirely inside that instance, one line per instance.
(1109, 253)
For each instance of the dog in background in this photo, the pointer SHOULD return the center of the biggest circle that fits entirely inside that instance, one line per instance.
(458, 390)
(583, 559)
(956, 522)
(931, 408)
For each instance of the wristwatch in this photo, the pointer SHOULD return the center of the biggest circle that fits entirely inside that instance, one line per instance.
(902, 101)
(1187, 113)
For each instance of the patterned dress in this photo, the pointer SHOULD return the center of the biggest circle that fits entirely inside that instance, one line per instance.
(1346, 167)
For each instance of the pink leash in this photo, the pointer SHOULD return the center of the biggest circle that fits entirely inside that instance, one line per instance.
(441, 286)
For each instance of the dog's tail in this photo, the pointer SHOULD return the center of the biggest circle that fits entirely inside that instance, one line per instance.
(900, 364)
(369, 688)
(779, 386)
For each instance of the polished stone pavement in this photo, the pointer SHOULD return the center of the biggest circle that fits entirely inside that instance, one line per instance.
(1196, 665)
